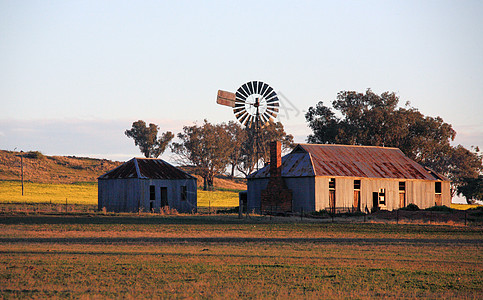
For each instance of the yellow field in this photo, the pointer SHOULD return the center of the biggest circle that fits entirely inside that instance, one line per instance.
(463, 206)
(86, 193)
(217, 199)
(11, 192)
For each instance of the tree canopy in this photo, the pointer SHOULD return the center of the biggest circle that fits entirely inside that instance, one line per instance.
(212, 148)
(146, 137)
(376, 120)
(472, 188)
(270, 132)
(206, 147)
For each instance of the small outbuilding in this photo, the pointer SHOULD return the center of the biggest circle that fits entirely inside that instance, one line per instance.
(147, 184)
(343, 178)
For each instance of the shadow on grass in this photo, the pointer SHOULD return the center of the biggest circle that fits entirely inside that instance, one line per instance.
(119, 219)
(236, 240)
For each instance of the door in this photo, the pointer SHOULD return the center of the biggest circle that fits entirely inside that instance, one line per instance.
(332, 201)
(164, 196)
(375, 201)
(357, 201)
(402, 200)
(438, 200)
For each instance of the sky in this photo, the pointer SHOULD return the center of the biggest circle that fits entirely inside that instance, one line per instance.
(74, 75)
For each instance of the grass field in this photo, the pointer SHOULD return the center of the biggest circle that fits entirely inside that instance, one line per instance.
(203, 257)
(463, 206)
(86, 193)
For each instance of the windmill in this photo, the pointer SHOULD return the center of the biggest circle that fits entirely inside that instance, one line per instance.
(254, 104)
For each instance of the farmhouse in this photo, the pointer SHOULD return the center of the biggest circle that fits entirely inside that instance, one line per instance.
(146, 184)
(343, 178)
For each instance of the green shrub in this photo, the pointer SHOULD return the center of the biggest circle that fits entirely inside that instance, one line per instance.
(233, 210)
(34, 155)
(321, 212)
(440, 208)
(411, 207)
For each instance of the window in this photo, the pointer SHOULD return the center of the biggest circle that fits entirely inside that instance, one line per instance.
(152, 192)
(437, 188)
(382, 197)
(332, 184)
(184, 193)
(357, 184)
(402, 186)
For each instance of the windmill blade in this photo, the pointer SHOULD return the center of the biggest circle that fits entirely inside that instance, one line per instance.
(259, 87)
(267, 116)
(273, 104)
(263, 118)
(250, 88)
(272, 112)
(267, 92)
(263, 89)
(243, 117)
(273, 99)
(237, 110)
(241, 94)
(271, 96)
(273, 108)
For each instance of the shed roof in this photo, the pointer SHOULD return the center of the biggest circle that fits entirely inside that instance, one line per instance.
(349, 161)
(146, 168)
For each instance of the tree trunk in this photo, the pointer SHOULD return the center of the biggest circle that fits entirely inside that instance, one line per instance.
(205, 183)
(208, 182)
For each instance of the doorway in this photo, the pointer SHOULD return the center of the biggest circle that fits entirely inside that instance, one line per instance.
(332, 201)
(357, 201)
(375, 201)
(356, 206)
(332, 208)
(164, 196)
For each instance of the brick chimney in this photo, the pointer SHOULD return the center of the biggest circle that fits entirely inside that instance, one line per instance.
(275, 159)
(276, 198)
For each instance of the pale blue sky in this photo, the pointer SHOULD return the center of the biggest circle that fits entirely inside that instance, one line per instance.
(75, 74)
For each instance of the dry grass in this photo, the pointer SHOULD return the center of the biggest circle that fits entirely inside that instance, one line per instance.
(53, 169)
(225, 257)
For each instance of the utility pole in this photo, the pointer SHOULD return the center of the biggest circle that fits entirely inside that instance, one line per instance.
(21, 168)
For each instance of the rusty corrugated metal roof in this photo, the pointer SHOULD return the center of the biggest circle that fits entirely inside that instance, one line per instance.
(349, 161)
(146, 168)
(293, 165)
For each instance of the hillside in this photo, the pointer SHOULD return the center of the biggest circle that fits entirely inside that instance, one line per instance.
(52, 169)
(69, 169)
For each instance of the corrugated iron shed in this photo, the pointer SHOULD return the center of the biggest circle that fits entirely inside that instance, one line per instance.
(349, 161)
(146, 168)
